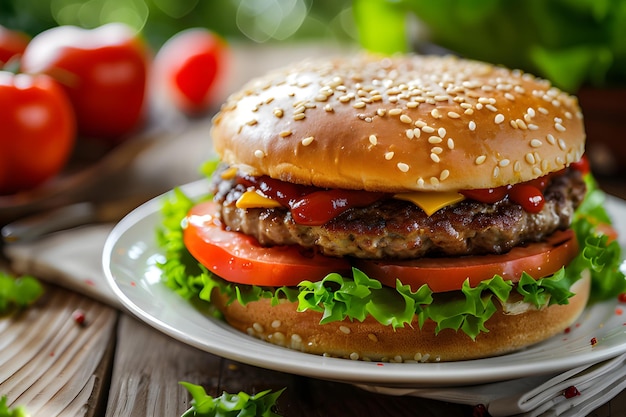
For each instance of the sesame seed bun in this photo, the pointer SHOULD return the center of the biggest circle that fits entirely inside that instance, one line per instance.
(399, 124)
(508, 331)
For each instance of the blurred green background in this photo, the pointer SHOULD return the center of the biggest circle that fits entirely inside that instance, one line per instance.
(251, 20)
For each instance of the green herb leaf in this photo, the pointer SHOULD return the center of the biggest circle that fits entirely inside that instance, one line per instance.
(18, 292)
(230, 405)
(6, 411)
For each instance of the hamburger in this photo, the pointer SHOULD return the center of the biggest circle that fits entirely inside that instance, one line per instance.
(405, 208)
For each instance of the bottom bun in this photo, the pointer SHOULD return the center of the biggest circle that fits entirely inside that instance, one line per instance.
(369, 340)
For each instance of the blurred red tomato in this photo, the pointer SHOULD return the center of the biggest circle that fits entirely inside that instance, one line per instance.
(189, 68)
(12, 43)
(37, 130)
(103, 71)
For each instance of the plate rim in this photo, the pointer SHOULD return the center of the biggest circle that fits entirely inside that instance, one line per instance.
(344, 370)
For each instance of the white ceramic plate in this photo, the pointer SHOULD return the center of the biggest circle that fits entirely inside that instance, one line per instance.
(130, 257)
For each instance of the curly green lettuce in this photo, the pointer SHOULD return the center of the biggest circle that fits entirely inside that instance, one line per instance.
(230, 405)
(357, 296)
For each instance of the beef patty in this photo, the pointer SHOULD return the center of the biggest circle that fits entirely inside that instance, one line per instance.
(392, 228)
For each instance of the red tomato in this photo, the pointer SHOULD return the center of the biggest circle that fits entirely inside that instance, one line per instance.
(37, 130)
(103, 71)
(241, 259)
(190, 67)
(12, 43)
(448, 274)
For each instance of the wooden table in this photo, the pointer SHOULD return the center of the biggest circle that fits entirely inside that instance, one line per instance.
(114, 365)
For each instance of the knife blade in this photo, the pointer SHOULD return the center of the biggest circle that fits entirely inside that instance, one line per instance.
(78, 214)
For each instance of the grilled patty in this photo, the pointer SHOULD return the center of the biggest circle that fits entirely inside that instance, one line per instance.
(398, 229)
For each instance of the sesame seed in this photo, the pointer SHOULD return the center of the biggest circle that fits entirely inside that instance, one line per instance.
(372, 337)
(394, 112)
(535, 143)
(420, 182)
(453, 115)
(412, 104)
(298, 116)
(358, 105)
(559, 127)
(513, 124)
(381, 112)
(278, 112)
(450, 143)
(504, 163)
(441, 132)
(307, 141)
(550, 139)
(420, 124)
(299, 109)
(276, 324)
(285, 133)
(509, 96)
(499, 118)
(480, 159)
(530, 158)
(434, 139)
(354, 356)
(530, 112)
(434, 181)
(403, 167)
(532, 126)
(258, 327)
(373, 139)
(471, 125)
(517, 167)
(542, 110)
(417, 132)
(252, 122)
(389, 155)
(562, 144)
(405, 119)
(435, 157)
(496, 171)
(435, 113)
(428, 129)
(491, 107)
(444, 174)
(537, 171)
(410, 134)
(441, 98)
(259, 153)
(438, 150)
(521, 124)
(328, 108)
(469, 112)
(344, 329)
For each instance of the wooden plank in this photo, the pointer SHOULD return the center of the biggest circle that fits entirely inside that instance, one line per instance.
(51, 364)
(147, 368)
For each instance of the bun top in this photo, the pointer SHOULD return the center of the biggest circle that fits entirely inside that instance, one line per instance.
(398, 124)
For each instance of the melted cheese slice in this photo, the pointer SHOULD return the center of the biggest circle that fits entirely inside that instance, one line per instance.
(252, 199)
(431, 202)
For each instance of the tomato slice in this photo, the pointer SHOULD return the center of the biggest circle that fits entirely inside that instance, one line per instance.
(448, 274)
(241, 259)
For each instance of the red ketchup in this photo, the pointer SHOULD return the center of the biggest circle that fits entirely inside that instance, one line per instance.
(310, 205)
(529, 194)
